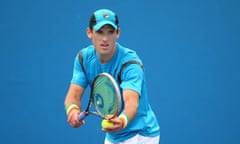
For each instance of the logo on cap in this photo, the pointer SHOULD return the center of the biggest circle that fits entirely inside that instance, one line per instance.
(105, 15)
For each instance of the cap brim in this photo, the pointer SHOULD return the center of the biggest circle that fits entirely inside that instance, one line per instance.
(101, 24)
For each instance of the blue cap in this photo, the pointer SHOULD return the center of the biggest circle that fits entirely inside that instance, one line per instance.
(103, 17)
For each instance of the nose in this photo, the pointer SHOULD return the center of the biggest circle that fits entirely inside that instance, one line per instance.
(105, 38)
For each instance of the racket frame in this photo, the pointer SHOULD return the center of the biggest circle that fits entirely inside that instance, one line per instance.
(91, 102)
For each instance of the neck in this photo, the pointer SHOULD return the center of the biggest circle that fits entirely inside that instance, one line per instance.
(105, 58)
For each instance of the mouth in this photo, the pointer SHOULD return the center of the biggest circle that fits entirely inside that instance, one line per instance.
(104, 46)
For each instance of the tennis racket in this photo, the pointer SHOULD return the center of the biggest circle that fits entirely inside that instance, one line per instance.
(104, 96)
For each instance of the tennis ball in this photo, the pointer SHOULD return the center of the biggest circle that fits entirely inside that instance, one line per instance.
(106, 123)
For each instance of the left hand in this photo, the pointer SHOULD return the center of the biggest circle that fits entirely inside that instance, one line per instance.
(117, 125)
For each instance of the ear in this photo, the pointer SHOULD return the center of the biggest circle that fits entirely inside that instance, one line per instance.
(118, 32)
(89, 33)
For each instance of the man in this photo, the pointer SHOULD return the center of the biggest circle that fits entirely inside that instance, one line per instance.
(137, 122)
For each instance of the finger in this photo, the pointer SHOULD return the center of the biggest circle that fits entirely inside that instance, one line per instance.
(109, 130)
(76, 124)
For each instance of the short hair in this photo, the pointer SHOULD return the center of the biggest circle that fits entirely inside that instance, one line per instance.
(92, 21)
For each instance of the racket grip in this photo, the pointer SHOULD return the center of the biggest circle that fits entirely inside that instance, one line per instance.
(82, 115)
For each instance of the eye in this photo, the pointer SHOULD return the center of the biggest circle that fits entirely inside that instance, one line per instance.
(99, 31)
(111, 31)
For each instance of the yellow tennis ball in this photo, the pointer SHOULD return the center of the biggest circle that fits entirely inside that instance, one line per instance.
(106, 123)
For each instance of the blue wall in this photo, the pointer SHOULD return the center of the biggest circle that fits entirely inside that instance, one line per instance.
(191, 55)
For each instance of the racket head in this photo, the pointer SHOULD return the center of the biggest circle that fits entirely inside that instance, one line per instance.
(106, 96)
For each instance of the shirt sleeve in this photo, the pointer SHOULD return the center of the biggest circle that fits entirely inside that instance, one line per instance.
(78, 77)
(132, 78)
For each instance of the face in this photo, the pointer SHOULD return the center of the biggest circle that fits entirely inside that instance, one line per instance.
(104, 41)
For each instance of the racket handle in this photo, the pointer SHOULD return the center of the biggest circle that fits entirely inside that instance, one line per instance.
(82, 115)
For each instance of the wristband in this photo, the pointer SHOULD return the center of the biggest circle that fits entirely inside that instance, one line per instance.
(71, 107)
(124, 118)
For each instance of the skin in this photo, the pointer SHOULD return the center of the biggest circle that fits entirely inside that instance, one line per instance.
(104, 41)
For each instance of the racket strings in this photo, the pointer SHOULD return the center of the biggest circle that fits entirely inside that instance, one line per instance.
(105, 98)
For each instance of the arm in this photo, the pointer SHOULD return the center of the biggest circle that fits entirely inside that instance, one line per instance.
(132, 85)
(131, 100)
(72, 99)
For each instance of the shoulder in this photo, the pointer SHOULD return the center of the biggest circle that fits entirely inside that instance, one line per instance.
(87, 50)
(86, 53)
(128, 54)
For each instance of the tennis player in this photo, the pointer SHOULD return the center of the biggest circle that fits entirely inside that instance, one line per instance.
(136, 122)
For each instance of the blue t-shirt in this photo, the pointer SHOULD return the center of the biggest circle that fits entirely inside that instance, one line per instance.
(145, 122)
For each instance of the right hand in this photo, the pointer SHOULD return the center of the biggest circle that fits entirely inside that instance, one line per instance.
(73, 119)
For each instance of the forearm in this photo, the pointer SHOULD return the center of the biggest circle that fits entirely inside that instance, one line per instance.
(74, 95)
(72, 99)
(131, 100)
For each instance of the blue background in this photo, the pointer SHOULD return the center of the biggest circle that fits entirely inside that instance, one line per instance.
(190, 50)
